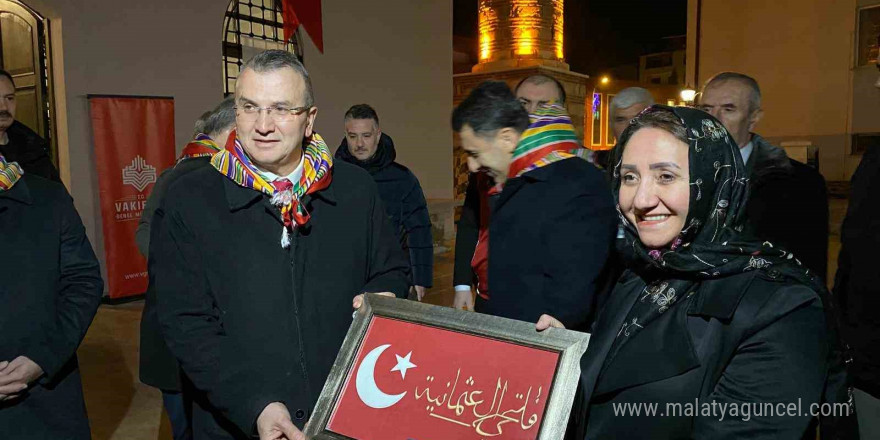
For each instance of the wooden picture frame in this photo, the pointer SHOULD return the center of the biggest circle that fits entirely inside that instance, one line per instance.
(342, 408)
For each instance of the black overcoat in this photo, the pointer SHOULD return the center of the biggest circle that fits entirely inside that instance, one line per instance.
(788, 205)
(751, 339)
(254, 323)
(51, 288)
(550, 234)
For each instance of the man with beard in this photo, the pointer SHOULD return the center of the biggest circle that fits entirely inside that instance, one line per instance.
(366, 146)
(18, 143)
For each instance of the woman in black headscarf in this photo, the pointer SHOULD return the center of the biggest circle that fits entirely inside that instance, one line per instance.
(718, 337)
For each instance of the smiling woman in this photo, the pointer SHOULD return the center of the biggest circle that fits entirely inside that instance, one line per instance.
(702, 313)
(654, 189)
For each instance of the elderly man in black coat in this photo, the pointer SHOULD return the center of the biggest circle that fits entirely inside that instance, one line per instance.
(788, 200)
(260, 257)
(552, 216)
(51, 288)
(366, 146)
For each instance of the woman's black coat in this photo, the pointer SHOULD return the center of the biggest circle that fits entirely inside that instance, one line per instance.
(746, 339)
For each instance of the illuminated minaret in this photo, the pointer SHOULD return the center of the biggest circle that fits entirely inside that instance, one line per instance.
(520, 33)
(518, 39)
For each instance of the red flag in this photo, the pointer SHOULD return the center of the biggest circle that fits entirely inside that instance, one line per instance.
(307, 13)
(413, 382)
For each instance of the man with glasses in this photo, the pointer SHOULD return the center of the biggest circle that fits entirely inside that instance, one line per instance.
(258, 263)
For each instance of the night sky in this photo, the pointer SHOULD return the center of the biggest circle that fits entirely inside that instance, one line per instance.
(601, 34)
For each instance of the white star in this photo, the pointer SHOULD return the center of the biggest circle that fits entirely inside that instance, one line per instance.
(403, 364)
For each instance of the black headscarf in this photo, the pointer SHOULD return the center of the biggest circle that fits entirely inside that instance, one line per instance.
(384, 155)
(710, 245)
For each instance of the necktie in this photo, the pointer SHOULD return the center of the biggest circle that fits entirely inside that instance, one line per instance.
(282, 184)
(283, 198)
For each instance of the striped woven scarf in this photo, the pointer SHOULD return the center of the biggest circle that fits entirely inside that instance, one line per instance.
(549, 138)
(201, 146)
(10, 172)
(233, 163)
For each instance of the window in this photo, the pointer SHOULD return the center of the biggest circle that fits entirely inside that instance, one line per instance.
(252, 26)
(658, 60)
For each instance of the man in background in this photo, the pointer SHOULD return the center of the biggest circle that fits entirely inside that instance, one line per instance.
(158, 367)
(367, 146)
(625, 106)
(18, 143)
(788, 200)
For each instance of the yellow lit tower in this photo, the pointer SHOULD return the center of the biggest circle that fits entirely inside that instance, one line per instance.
(520, 33)
(518, 39)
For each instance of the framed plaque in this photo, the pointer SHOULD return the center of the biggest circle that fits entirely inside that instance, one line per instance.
(413, 371)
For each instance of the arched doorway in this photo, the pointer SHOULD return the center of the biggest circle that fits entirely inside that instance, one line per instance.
(24, 54)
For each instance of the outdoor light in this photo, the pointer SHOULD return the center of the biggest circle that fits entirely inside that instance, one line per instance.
(605, 80)
(688, 95)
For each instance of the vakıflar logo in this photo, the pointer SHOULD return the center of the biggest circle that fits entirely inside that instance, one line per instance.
(139, 174)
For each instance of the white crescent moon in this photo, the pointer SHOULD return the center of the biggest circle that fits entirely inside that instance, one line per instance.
(365, 382)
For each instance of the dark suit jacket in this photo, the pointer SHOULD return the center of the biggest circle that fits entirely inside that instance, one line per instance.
(51, 288)
(251, 322)
(788, 205)
(550, 234)
(750, 338)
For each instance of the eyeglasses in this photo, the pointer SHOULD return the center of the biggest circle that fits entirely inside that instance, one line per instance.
(250, 112)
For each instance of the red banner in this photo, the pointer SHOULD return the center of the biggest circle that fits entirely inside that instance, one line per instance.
(134, 142)
(409, 383)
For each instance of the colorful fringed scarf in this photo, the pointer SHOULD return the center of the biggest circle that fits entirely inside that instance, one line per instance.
(10, 172)
(233, 163)
(201, 146)
(549, 138)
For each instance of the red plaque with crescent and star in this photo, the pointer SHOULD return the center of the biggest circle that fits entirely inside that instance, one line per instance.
(415, 382)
